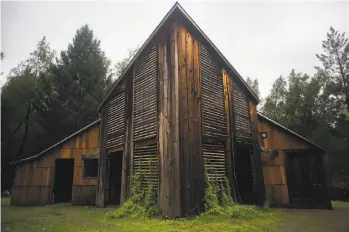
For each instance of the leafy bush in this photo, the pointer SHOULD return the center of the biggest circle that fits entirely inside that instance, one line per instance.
(142, 203)
(219, 202)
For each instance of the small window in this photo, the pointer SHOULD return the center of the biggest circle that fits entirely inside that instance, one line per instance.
(90, 167)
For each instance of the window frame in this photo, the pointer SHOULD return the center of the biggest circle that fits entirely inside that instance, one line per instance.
(84, 168)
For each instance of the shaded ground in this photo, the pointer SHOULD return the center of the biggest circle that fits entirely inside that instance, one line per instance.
(302, 220)
(68, 218)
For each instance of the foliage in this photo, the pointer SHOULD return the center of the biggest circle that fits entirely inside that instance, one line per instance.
(47, 98)
(253, 84)
(142, 203)
(219, 203)
(335, 61)
(315, 106)
(121, 65)
(79, 82)
(20, 101)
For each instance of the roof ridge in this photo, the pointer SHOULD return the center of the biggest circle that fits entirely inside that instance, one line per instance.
(168, 14)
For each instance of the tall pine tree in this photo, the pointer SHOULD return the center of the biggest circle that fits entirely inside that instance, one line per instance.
(80, 80)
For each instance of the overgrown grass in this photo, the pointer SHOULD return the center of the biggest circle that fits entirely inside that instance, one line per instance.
(140, 212)
(57, 218)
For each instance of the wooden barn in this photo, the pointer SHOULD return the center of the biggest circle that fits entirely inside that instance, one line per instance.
(65, 172)
(178, 110)
(293, 167)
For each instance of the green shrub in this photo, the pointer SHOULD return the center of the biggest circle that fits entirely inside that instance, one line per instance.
(219, 202)
(141, 204)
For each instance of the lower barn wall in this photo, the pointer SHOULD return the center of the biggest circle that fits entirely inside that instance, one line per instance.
(34, 180)
(275, 178)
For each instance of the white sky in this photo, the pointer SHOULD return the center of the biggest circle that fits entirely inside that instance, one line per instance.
(260, 39)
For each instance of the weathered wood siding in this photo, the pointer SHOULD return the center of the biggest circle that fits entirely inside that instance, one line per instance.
(274, 167)
(145, 155)
(190, 126)
(34, 180)
(214, 121)
(144, 91)
(243, 128)
(116, 113)
(256, 162)
(168, 116)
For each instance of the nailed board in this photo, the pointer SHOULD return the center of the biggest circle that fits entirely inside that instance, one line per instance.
(213, 108)
(243, 127)
(144, 100)
(214, 158)
(145, 160)
(116, 118)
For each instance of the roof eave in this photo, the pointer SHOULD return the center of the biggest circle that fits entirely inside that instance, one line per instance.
(55, 145)
(290, 131)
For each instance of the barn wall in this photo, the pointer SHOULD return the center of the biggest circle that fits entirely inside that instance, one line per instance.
(168, 116)
(274, 167)
(190, 118)
(34, 180)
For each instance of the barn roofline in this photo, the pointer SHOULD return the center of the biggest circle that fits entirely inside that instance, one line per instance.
(176, 6)
(55, 145)
(289, 131)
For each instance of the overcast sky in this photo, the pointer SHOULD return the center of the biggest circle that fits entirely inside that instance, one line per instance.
(260, 39)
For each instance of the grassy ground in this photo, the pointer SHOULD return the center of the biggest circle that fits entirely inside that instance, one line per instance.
(316, 220)
(68, 218)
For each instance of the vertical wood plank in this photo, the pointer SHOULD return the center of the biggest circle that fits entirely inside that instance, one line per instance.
(260, 188)
(198, 159)
(174, 149)
(163, 124)
(101, 162)
(191, 188)
(229, 142)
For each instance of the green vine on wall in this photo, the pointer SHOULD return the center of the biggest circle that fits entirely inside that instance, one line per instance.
(218, 201)
(143, 201)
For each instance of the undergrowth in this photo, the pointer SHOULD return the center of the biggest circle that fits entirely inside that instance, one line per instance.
(142, 203)
(218, 201)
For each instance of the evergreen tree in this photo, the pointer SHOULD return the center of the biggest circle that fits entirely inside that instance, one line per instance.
(80, 80)
(335, 61)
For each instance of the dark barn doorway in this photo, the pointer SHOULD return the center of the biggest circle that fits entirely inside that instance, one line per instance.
(306, 180)
(244, 173)
(115, 177)
(64, 174)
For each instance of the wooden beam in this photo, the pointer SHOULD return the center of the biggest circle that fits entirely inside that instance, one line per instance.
(260, 196)
(230, 133)
(102, 161)
(163, 124)
(174, 150)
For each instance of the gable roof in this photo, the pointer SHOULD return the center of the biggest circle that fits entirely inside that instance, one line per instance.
(177, 8)
(290, 131)
(55, 145)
